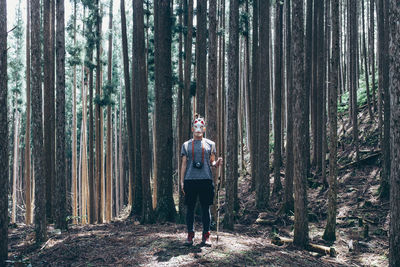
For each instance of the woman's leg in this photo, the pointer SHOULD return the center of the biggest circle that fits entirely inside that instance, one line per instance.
(190, 216)
(206, 217)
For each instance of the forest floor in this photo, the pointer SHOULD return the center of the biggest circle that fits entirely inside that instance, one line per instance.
(362, 227)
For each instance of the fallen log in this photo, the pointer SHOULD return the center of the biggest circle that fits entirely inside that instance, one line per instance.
(279, 241)
(361, 161)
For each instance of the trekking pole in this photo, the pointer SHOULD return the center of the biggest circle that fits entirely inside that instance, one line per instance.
(218, 206)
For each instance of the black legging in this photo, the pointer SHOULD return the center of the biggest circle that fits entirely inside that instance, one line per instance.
(206, 217)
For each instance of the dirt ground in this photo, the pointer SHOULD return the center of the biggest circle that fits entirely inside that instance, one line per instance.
(362, 228)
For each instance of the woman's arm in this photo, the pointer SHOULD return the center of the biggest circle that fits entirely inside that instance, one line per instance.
(183, 171)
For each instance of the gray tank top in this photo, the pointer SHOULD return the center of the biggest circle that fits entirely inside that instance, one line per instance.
(193, 173)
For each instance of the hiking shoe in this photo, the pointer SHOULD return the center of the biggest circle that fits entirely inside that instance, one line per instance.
(205, 239)
(189, 240)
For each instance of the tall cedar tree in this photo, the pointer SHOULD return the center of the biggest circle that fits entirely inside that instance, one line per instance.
(27, 174)
(330, 228)
(288, 195)
(371, 41)
(277, 95)
(61, 208)
(254, 98)
(163, 111)
(201, 57)
(212, 81)
(308, 72)
(364, 42)
(74, 139)
(109, 121)
(394, 78)
(140, 85)
(48, 106)
(138, 191)
(37, 129)
(98, 125)
(262, 177)
(232, 116)
(128, 103)
(300, 122)
(186, 118)
(383, 47)
(353, 38)
(3, 135)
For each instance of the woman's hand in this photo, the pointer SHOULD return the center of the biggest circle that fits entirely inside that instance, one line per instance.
(219, 162)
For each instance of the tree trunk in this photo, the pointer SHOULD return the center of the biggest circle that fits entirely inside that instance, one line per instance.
(4, 131)
(300, 122)
(109, 122)
(254, 98)
(98, 127)
(15, 168)
(163, 111)
(48, 103)
(330, 229)
(383, 46)
(353, 33)
(262, 182)
(60, 209)
(394, 84)
(308, 76)
(140, 84)
(366, 62)
(288, 195)
(37, 122)
(201, 64)
(232, 123)
(28, 190)
(277, 96)
(371, 39)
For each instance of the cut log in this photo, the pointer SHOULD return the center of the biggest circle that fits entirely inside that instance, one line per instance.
(323, 250)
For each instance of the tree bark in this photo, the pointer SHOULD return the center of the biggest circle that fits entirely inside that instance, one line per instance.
(366, 73)
(37, 128)
(288, 194)
(27, 174)
(394, 87)
(4, 134)
(140, 84)
(308, 73)
(60, 209)
(300, 122)
(201, 57)
(232, 116)
(277, 96)
(262, 182)
(371, 39)
(254, 99)
(330, 228)
(163, 111)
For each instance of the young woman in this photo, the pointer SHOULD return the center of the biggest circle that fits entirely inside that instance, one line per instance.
(198, 157)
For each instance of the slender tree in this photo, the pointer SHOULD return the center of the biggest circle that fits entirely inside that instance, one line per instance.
(109, 121)
(37, 129)
(383, 47)
(128, 103)
(277, 95)
(254, 98)
(262, 182)
(288, 195)
(61, 209)
(232, 116)
(4, 134)
(330, 228)
(140, 85)
(364, 43)
(394, 84)
(201, 56)
(27, 174)
(300, 122)
(48, 106)
(371, 41)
